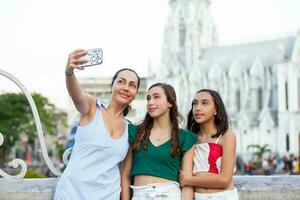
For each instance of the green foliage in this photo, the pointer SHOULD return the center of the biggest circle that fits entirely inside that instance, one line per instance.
(16, 118)
(259, 152)
(34, 174)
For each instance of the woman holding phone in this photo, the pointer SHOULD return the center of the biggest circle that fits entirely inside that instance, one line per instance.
(101, 140)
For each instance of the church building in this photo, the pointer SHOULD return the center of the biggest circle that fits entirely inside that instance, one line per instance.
(258, 81)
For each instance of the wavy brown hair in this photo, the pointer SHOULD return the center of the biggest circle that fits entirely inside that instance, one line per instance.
(144, 129)
(221, 119)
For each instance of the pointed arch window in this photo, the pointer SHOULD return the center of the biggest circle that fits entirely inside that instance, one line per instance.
(286, 87)
(238, 99)
(298, 82)
(259, 98)
(271, 100)
(287, 140)
(256, 94)
(181, 32)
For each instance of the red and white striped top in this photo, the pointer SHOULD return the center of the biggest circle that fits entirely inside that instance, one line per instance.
(208, 157)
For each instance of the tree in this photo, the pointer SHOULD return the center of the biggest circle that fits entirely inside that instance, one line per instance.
(16, 118)
(259, 152)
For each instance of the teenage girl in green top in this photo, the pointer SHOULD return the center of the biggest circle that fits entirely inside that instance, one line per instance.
(159, 150)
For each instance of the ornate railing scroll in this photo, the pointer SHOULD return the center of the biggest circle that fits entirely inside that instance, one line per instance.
(15, 163)
(66, 155)
(38, 125)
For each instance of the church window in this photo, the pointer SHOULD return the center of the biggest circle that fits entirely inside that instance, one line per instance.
(287, 140)
(181, 33)
(259, 98)
(286, 95)
(271, 100)
(298, 92)
(238, 100)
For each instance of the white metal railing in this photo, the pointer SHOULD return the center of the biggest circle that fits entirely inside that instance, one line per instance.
(15, 163)
(18, 162)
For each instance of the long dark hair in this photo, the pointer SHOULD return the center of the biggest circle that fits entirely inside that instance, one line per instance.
(221, 119)
(128, 107)
(145, 127)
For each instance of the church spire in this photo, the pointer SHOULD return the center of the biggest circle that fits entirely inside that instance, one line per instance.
(189, 29)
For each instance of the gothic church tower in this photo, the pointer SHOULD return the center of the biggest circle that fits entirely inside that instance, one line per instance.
(188, 31)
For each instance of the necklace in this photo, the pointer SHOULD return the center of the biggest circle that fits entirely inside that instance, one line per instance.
(115, 118)
(161, 137)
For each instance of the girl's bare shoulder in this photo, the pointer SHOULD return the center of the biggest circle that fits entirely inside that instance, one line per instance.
(229, 135)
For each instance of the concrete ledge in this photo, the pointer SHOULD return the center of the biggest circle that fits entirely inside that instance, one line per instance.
(249, 187)
(268, 187)
(27, 189)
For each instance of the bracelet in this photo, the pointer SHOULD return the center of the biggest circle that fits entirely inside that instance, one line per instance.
(67, 74)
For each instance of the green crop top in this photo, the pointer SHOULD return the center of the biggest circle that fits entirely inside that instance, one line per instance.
(157, 160)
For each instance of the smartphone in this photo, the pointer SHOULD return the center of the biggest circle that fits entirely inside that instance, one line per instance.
(94, 57)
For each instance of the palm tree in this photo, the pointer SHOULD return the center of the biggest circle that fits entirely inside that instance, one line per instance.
(259, 152)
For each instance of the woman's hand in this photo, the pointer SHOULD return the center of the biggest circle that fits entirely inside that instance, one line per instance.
(83, 102)
(75, 59)
(183, 178)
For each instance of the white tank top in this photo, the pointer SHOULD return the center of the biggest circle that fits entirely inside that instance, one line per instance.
(93, 170)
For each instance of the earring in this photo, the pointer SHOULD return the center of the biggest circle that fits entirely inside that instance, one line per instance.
(215, 113)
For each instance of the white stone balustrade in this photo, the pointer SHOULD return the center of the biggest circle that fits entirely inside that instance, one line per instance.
(249, 188)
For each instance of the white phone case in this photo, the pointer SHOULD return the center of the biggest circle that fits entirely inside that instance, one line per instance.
(94, 57)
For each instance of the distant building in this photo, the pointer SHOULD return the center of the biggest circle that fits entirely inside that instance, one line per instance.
(99, 87)
(259, 82)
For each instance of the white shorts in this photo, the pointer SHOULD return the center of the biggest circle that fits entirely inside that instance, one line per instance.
(157, 191)
(225, 195)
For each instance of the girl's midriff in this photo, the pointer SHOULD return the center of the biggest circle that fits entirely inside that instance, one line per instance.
(145, 179)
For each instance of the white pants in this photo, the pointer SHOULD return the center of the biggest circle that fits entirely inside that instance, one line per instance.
(157, 191)
(225, 195)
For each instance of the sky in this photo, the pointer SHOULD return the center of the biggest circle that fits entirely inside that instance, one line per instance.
(36, 36)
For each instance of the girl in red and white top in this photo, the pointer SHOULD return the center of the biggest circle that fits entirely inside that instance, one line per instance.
(215, 152)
